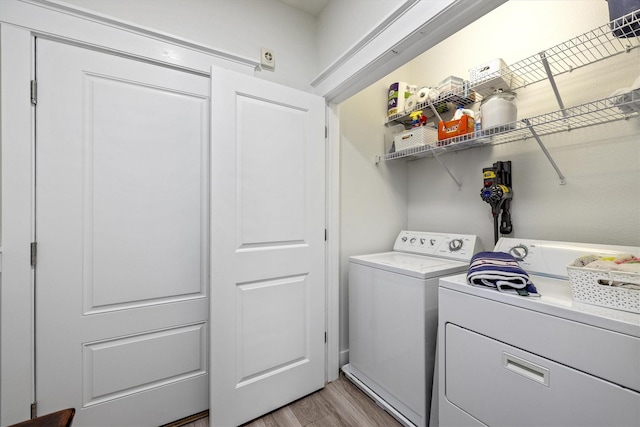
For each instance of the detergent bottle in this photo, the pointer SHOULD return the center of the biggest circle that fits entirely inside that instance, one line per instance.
(463, 112)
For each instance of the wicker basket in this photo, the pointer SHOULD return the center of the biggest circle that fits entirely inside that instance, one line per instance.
(592, 286)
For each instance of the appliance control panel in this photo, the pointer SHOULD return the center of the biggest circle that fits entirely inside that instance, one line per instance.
(550, 258)
(460, 247)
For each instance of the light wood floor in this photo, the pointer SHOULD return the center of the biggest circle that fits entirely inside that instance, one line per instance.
(340, 403)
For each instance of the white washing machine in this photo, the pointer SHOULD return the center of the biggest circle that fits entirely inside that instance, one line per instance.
(393, 312)
(509, 360)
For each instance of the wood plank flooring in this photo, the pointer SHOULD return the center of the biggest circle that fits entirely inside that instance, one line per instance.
(339, 404)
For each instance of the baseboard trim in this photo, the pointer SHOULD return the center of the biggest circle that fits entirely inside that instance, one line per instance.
(343, 357)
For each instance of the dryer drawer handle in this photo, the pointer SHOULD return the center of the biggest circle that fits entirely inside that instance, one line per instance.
(525, 368)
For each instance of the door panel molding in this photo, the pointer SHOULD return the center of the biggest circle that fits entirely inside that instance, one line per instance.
(270, 318)
(166, 348)
(122, 194)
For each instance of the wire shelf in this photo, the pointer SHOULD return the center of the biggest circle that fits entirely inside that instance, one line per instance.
(441, 104)
(618, 36)
(606, 110)
(585, 49)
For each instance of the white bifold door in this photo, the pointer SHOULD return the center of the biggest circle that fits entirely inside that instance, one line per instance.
(122, 228)
(134, 164)
(268, 246)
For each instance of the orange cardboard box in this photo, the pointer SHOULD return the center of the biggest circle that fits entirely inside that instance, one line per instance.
(455, 127)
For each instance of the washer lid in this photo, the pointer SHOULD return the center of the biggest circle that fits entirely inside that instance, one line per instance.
(419, 266)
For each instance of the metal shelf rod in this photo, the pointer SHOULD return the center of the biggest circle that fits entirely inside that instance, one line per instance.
(563, 181)
(437, 157)
(552, 81)
(435, 112)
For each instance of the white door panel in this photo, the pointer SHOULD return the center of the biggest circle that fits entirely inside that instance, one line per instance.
(111, 164)
(101, 383)
(268, 289)
(122, 175)
(271, 180)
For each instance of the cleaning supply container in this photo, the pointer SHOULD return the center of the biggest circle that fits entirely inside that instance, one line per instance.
(463, 112)
(499, 109)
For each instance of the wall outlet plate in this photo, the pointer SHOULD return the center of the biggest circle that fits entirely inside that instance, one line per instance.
(268, 59)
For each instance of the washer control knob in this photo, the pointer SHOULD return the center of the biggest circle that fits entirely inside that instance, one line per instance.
(404, 239)
(432, 242)
(413, 239)
(519, 252)
(455, 245)
(422, 240)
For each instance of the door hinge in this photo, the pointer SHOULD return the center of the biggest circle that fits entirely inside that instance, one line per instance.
(325, 337)
(325, 234)
(34, 410)
(34, 92)
(326, 132)
(34, 253)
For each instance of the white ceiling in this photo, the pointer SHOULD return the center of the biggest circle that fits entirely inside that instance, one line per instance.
(312, 7)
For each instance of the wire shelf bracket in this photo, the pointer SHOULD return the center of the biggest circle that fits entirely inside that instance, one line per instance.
(563, 181)
(437, 157)
(552, 82)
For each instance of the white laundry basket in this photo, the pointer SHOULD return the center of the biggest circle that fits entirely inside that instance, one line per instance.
(593, 286)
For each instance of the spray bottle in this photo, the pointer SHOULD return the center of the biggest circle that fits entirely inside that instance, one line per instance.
(478, 124)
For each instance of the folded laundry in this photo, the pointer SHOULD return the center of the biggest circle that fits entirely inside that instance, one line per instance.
(626, 285)
(602, 264)
(627, 260)
(584, 260)
(621, 262)
(501, 271)
(629, 267)
(618, 270)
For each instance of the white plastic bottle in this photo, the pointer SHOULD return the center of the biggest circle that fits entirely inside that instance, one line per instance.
(463, 112)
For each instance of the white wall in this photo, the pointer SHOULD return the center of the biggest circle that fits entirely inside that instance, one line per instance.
(304, 45)
(601, 200)
(373, 198)
(343, 23)
(240, 27)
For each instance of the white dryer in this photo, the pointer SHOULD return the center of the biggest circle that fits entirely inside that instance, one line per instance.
(393, 312)
(509, 360)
